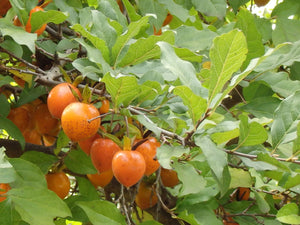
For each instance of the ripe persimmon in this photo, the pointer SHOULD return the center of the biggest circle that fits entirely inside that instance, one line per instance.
(75, 121)
(28, 24)
(128, 167)
(168, 19)
(45, 123)
(169, 177)
(146, 196)
(101, 179)
(260, 3)
(60, 96)
(104, 107)
(102, 153)
(243, 193)
(17, 22)
(20, 116)
(59, 183)
(3, 189)
(86, 144)
(148, 150)
(4, 7)
(32, 136)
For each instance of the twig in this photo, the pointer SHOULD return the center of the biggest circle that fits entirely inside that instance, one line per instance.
(52, 55)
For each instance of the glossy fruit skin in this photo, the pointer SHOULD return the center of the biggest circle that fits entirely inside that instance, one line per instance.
(128, 167)
(3, 189)
(148, 150)
(102, 153)
(104, 107)
(59, 183)
(101, 179)
(32, 136)
(169, 177)
(243, 194)
(260, 3)
(146, 196)
(86, 144)
(4, 7)
(168, 19)
(28, 24)
(75, 121)
(45, 123)
(60, 97)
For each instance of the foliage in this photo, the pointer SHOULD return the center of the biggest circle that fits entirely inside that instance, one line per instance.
(219, 88)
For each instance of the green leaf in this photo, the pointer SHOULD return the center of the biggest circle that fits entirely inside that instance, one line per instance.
(286, 30)
(286, 117)
(240, 178)
(123, 90)
(289, 214)
(188, 55)
(18, 34)
(133, 29)
(246, 23)
(296, 143)
(133, 16)
(96, 41)
(27, 173)
(102, 212)
(178, 10)
(5, 106)
(261, 202)
(262, 107)
(7, 172)
(29, 202)
(292, 181)
(79, 162)
(30, 94)
(181, 69)
(87, 189)
(42, 160)
(227, 56)
(257, 89)
(12, 130)
(95, 55)
(265, 157)
(281, 83)
(223, 137)
(251, 133)
(61, 142)
(147, 49)
(166, 153)
(192, 181)
(51, 16)
(150, 222)
(211, 7)
(8, 215)
(194, 39)
(196, 104)
(217, 160)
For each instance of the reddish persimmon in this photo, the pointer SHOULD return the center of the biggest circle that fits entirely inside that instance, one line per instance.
(60, 96)
(148, 150)
(45, 123)
(59, 183)
(4, 7)
(146, 196)
(75, 121)
(101, 179)
(20, 116)
(128, 167)
(243, 193)
(104, 107)
(86, 144)
(17, 22)
(28, 24)
(3, 189)
(155, 32)
(168, 177)
(102, 153)
(32, 136)
(168, 19)
(260, 3)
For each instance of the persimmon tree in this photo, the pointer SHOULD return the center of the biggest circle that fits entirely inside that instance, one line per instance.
(198, 99)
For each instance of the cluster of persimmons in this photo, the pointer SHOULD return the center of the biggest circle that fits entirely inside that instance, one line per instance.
(40, 123)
